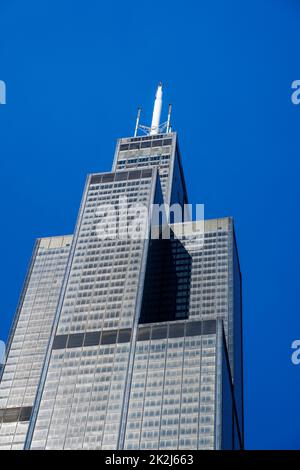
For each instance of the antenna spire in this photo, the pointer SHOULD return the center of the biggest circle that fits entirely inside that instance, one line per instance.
(156, 127)
(168, 127)
(156, 111)
(137, 121)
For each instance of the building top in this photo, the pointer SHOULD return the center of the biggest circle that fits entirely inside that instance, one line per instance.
(55, 242)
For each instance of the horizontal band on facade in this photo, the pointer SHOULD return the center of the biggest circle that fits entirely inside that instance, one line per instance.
(121, 176)
(145, 142)
(91, 338)
(176, 329)
(11, 415)
(145, 333)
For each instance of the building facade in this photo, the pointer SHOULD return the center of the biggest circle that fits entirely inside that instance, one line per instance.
(129, 342)
(29, 338)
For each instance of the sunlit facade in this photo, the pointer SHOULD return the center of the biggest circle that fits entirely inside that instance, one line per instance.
(29, 338)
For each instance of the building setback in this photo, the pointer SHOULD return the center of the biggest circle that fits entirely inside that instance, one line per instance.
(29, 338)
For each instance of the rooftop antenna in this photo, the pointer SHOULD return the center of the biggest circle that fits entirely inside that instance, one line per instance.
(137, 121)
(156, 111)
(168, 128)
(156, 127)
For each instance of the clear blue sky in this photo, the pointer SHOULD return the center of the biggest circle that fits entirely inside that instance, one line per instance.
(76, 72)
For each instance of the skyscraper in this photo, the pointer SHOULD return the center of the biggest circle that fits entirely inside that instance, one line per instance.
(128, 342)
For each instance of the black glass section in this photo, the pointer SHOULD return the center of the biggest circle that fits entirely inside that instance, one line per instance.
(75, 340)
(157, 143)
(146, 173)
(172, 329)
(121, 176)
(108, 178)
(159, 332)
(146, 144)
(11, 415)
(95, 179)
(124, 336)
(92, 338)
(25, 413)
(60, 342)
(194, 328)
(134, 146)
(109, 337)
(158, 136)
(124, 146)
(136, 174)
(144, 333)
(167, 142)
(209, 327)
(176, 330)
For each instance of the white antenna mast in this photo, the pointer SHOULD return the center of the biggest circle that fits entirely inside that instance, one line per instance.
(137, 121)
(156, 127)
(169, 119)
(156, 111)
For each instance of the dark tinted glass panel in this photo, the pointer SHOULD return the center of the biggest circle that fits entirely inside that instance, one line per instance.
(124, 147)
(144, 334)
(108, 178)
(60, 342)
(109, 337)
(168, 142)
(146, 173)
(176, 330)
(159, 332)
(92, 338)
(124, 336)
(134, 146)
(194, 328)
(25, 413)
(209, 327)
(121, 176)
(146, 144)
(157, 143)
(96, 179)
(134, 175)
(11, 415)
(76, 340)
